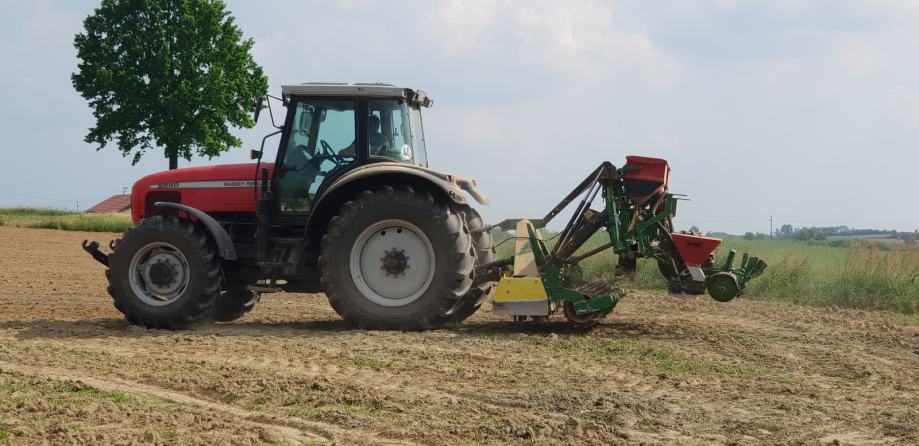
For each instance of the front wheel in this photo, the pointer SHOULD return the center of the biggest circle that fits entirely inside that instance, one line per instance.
(164, 273)
(396, 258)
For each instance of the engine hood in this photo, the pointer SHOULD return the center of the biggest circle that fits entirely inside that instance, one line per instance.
(217, 188)
(237, 172)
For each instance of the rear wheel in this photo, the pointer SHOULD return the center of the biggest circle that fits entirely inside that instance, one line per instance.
(396, 258)
(164, 273)
(482, 243)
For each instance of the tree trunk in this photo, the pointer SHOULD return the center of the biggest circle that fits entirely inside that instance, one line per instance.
(173, 161)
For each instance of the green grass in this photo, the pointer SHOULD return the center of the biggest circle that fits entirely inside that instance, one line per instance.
(64, 220)
(304, 412)
(858, 274)
(35, 212)
(648, 358)
(86, 222)
(115, 396)
(372, 363)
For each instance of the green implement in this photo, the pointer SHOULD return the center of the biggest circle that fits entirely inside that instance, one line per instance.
(637, 215)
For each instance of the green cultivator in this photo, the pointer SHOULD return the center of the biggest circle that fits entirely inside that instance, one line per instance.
(638, 216)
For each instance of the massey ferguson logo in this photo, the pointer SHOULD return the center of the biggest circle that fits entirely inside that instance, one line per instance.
(219, 184)
(238, 183)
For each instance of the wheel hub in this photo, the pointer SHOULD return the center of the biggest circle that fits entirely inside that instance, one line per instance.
(163, 273)
(392, 263)
(395, 262)
(159, 274)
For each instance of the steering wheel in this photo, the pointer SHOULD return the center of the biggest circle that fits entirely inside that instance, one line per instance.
(329, 153)
(326, 148)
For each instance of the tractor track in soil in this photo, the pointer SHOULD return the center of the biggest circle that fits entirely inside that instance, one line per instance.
(659, 370)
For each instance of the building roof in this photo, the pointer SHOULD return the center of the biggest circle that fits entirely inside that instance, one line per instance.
(378, 90)
(115, 203)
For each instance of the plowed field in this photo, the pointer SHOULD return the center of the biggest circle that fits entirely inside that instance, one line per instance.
(659, 370)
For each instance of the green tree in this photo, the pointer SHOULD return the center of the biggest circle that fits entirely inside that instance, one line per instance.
(786, 231)
(173, 74)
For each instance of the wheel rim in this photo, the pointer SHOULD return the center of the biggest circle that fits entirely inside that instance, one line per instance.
(158, 274)
(392, 263)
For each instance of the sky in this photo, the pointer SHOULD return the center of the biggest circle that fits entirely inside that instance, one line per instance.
(806, 111)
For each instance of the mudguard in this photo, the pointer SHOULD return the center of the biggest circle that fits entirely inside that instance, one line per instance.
(453, 186)
(224, 244)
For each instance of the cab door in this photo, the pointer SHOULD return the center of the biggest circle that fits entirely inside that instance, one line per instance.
(321, 142)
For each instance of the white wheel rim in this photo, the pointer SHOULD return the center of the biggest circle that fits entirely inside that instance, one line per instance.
(392, 263)
(147, 269)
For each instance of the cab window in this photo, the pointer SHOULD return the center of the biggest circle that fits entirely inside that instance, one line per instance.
(392, 133)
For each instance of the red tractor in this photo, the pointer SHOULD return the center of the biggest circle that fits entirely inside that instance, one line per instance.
(349, 208)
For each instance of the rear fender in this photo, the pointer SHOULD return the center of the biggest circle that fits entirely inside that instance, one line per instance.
(224, 243)
(373, 176)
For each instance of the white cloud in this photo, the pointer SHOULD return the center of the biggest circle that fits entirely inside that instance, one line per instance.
(903, 106)
(578, 39)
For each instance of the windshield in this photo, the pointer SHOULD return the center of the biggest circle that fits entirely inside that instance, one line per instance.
(421, 154)
(395, 132)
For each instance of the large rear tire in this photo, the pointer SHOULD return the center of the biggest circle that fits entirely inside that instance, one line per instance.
(396, 259)
(483, 244)
(164, 273)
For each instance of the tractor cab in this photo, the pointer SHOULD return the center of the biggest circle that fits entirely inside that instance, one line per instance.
(331, 129)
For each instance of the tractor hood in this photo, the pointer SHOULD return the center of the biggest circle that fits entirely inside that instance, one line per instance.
(218, 188)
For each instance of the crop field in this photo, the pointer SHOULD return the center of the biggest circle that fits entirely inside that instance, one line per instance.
(659, 370)
(65, 220)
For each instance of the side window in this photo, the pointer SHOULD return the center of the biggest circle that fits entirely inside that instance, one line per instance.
(389, 133)
(321, 142)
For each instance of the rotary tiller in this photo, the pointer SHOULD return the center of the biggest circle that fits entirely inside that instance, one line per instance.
(638, 216)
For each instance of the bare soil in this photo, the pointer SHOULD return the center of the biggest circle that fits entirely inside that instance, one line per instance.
(659, 370)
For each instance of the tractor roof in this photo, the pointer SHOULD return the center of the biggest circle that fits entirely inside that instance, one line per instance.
(375, 90)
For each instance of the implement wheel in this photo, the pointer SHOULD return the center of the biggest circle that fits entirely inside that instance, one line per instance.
(722, 286)
(396, 258)
(164, 273)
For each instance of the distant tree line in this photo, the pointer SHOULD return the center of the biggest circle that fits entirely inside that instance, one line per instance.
(789, 232)
(807, 233)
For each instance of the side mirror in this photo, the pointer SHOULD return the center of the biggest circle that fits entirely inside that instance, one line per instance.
(258, 107)
(255, 154)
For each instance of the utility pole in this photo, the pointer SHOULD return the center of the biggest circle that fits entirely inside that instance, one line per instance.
(770, 227)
